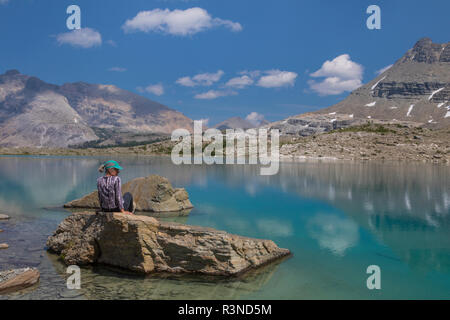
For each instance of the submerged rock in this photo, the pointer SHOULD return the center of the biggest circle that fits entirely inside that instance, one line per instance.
(151, 194)
(145, 245)
(4, 216)
(105, 284)
(18, 279)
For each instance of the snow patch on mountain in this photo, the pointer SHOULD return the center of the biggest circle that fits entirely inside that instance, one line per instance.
(376, 84)
(434, 92)
(441, 104)
(408, 114)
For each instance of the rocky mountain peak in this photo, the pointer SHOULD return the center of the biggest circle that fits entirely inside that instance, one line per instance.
(425, 51)
(13, 76)
(36, 84)
(12, 72)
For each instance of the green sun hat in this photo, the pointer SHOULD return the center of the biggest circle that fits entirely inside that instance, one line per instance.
(112, 164)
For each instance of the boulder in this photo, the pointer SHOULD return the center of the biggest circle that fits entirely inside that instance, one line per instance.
(4, 246)
(145, 245)
(151, 194)
(18, 279)
(4, 216)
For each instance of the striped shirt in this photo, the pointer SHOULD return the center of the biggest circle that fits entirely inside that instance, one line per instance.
(110, 192)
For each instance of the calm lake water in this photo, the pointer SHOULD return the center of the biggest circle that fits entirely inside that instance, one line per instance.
(336, 218)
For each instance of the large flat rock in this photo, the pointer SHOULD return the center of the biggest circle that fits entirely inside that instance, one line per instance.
(18, 279)
(145, 245)
(151, 194)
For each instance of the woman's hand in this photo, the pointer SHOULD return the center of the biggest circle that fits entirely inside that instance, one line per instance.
(126, 212)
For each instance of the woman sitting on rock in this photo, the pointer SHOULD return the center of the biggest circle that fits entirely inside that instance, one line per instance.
(110, 190)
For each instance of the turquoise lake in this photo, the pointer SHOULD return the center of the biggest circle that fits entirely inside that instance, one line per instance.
(337, 219)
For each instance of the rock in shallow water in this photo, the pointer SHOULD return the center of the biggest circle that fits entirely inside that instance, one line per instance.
(145, 245)
(151, 194)
(4, 246)
(18, 279)
(4, 216)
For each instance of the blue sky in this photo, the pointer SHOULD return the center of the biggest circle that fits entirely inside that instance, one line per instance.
(214, 59)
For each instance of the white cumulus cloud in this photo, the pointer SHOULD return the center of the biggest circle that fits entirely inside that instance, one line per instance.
(334, 85)
(202, 79)
(240, 82)
(177, 22)
(186, 82)
(156, 89)
(341, 66)
(214, 94)
(341, 74)
(84, 38)
(252, 74)
(277, 78)
(255, 118)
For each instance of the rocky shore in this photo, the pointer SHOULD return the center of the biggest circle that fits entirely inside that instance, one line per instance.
(145, 245)
(158, 148)
(18, 279)
(380, 140)
(372, 142)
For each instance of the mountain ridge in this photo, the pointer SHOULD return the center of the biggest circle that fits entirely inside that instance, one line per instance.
(238, 123)
(36, 113)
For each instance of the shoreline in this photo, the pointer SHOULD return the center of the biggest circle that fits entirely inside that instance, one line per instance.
(369, 142)
(283, 158)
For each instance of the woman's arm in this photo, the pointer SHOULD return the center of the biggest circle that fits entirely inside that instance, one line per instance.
(118, 193)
